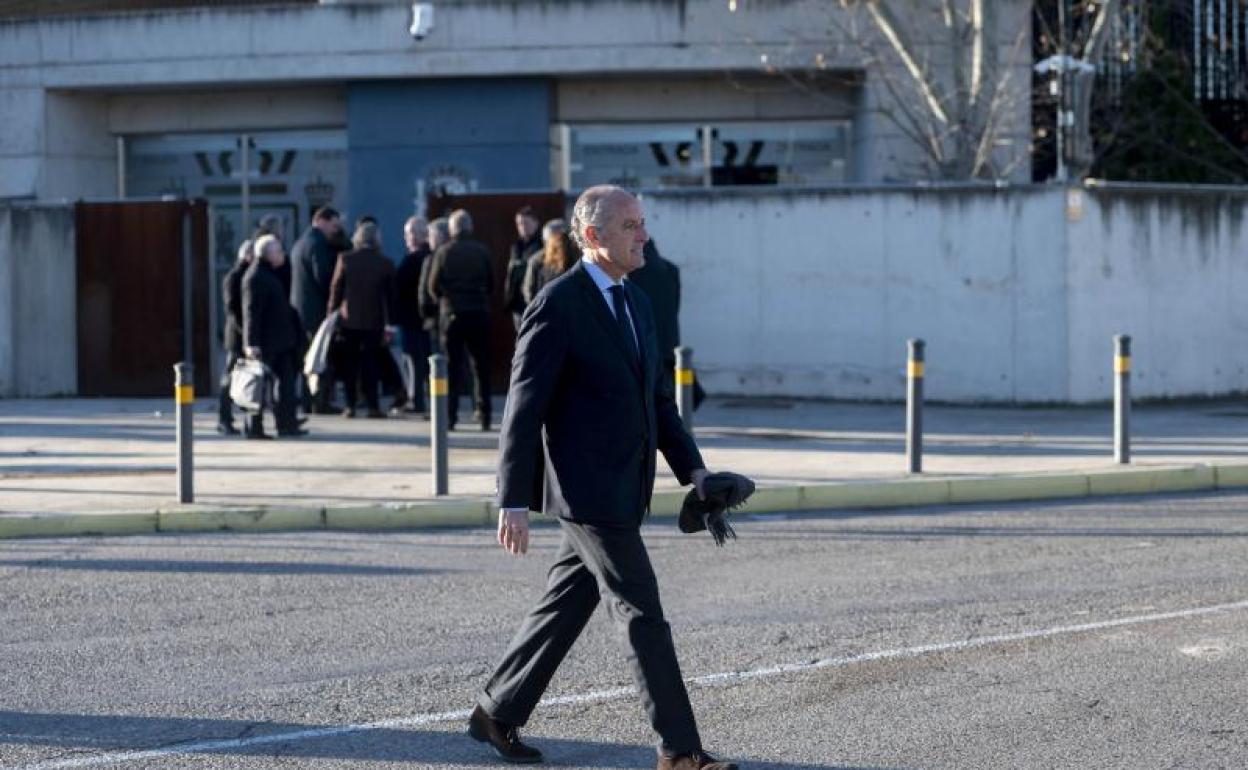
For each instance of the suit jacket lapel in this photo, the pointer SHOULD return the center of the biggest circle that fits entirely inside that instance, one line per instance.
(598, 309)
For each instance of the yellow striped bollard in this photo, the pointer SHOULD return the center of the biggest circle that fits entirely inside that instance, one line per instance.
(1122, 398)
(915, 370)
(439, 389)
(684, 385)
(184, 398)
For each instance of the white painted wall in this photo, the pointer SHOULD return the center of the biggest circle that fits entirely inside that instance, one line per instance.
(1170, 268)
(38, 301)
(814, 293)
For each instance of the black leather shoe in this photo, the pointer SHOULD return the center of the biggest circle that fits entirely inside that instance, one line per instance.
(292, 433)
(261, 436)
(226, 430)
(699, 760)
(504, 739)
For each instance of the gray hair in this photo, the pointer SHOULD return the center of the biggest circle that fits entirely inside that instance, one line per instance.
(552, 227)
(263, 243)
(416, 222)
(593, 209)
(366, 236)
(440, 231)
(460, 222)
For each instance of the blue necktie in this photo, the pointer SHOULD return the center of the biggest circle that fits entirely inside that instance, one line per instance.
(620, 303)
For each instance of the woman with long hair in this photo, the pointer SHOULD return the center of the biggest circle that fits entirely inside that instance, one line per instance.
(558, 256)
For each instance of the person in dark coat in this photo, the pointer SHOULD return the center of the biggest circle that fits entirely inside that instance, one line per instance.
(312, 266)
(585, 395)
(557, 258)
(362, 291)
(527, 244)
(271, 333)
(660, 280)
(232, 299)
(462, 278)
(407, 305)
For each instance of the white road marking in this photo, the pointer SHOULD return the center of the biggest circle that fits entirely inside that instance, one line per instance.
(617, 693)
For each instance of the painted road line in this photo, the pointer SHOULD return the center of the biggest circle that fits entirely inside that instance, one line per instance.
(619, 693)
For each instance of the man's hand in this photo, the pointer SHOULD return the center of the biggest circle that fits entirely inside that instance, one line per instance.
(513, 531)
(699, 478)
(252, 352)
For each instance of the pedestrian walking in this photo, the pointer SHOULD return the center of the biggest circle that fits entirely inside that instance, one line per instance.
(232, 337)
(462, 280)
(407, 305)
(271, 334)
(362, 291)
(558, 256)
(526, 245)
(585, 394)
(314, 256)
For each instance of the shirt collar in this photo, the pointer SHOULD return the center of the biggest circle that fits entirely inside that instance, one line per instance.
(601, 279)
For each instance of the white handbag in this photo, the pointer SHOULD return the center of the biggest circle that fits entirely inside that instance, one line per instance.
(251, 385)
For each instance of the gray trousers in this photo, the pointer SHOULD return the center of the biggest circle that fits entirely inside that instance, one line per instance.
(613, 563)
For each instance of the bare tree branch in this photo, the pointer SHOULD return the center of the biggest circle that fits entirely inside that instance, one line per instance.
(885, 23)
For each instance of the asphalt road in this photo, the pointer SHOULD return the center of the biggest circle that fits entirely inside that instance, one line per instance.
(1044, 636)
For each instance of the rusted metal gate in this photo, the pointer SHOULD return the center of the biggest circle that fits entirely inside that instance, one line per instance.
(494, 222)
(130, 296)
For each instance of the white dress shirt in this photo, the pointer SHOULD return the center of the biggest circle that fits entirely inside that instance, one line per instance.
(604, 284)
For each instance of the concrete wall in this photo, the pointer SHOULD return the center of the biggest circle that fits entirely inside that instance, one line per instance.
(1170, 268)
(38, 296)
(485, 134)
(815, 293)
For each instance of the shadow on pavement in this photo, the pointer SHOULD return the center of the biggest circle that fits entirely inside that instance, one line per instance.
(125, 733)
(219, 567)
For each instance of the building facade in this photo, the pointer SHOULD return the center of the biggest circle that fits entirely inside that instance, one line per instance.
(370, 106)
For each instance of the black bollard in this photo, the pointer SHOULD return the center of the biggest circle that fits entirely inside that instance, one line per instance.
(184, 398)
(1122, 398)
(684, 385)
(914, 405)
(438, 392)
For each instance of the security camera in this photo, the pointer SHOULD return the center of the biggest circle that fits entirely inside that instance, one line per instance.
(422, 20)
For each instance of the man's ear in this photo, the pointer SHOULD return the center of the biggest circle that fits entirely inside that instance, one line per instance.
(591, 235)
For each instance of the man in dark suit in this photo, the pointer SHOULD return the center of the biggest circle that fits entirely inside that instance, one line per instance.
(271, 333)
(586, 399)
(362, 290)
(528, 242)
(313, 258)
(407, 307)
(462, 278)
(660, 280)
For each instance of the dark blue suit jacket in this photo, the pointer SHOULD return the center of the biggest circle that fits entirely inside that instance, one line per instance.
(580, 403)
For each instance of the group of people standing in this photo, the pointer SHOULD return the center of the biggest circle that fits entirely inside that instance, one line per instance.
(436, 299)
(275, 304)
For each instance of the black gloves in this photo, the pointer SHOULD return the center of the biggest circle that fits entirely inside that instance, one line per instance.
(724, 491)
